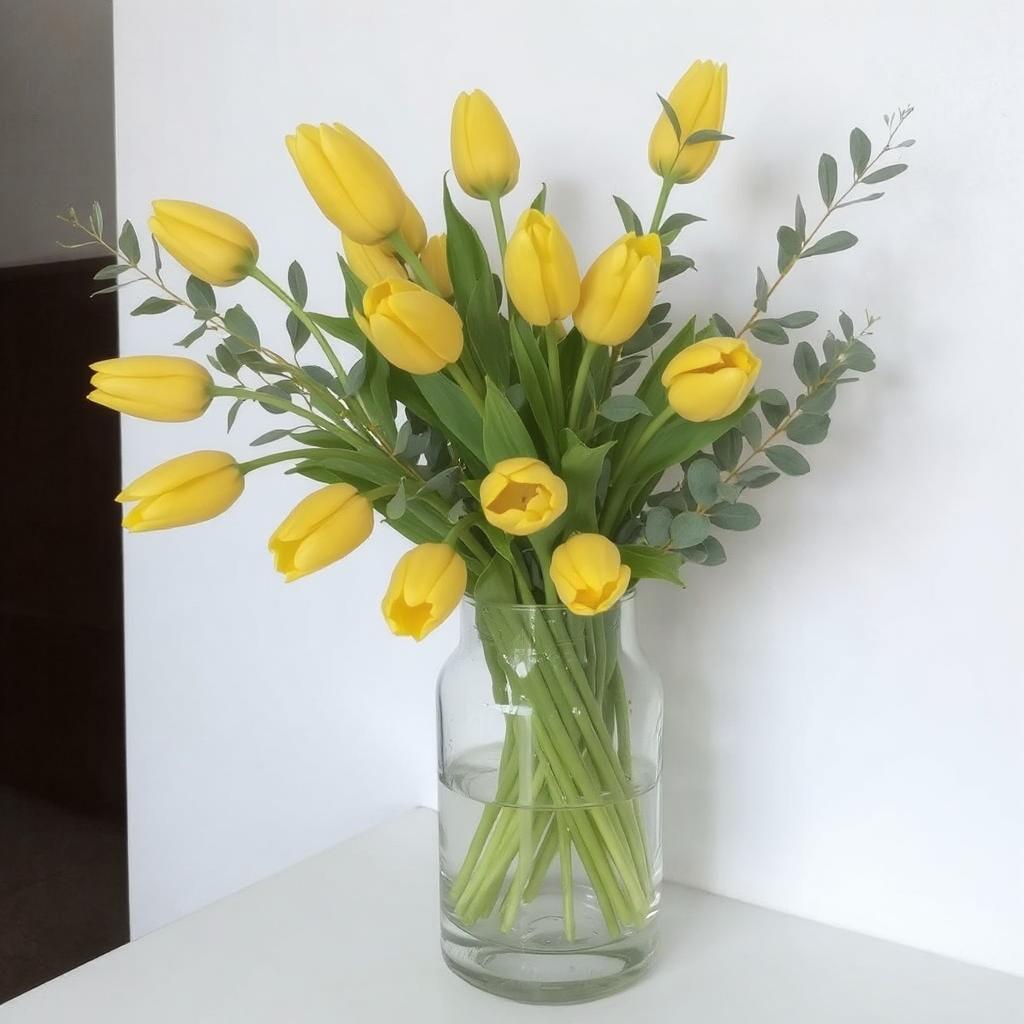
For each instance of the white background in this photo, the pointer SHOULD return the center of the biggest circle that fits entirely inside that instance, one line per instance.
(845, 714)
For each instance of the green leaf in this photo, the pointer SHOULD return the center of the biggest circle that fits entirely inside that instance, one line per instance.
(723, 326)
(819, 402)
(200, 294)
(298, 332)
(111, 270)
(761, 292)
(657, 523)
(233, 412)
(859, 357)
(787, 459)
(355, 377)
(808, 428)
(789, 246)
(640, 342)
(836, 242)
(630, 221)
(828, 177)
(860, 151)
(192, 336)
(702, 477)
(581, 471)
(769, 331)
(658, 312)
(458, 414)
(673, 266)
(343, 328)
(395, 508)
(738, 516)
(675, 223)
(673, 118)
(706, 135)
(495, 585)
(504, 434)
(533, 375)
(540, 200)
(354, 288)
(620, 408)
(97, 218)
(709, 553)
(647, 563)
(270, 435)
(241, 325)
(861, 199)
(372, 468)
(153, 305)
(750, 428)
(884, 174)
(800, 220)
(805, 363)
(128, 243)
(625, 368)
(727, 448)
(846, 326)
(297, 283)
(757, 476)
(794, 321)
(689, 528)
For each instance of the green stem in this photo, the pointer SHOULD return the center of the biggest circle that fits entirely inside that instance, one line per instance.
(659, 209)
(499, 226)
(626, 459)
(413, 261)
(269, 460)
(580, 386)
(565, 864)
(555, 369)
(460, 378)
(285, 406)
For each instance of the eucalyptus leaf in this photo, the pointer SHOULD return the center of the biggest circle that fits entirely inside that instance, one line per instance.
(152, 306)
(738, 516)
(760, 292)
(128, 243)
(727, 449)
(769, 331)
(828, 177)
(860, 151)
(200, 294)
(787, 459)
(805, 364)
(794, 321)
(689, 528)
(757, 476)
(706, 135)
(673, 117)
(702, 478)
(395, 508)
(836, 242)
(808, 428)
(241, 325)
(630, 220)
(270, 435)
(727, 330)
(298, 332)
(656, 526)
(297, 283)
(750, 428)
(620, 408)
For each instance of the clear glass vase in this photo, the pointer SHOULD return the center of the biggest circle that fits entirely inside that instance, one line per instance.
(549, 768)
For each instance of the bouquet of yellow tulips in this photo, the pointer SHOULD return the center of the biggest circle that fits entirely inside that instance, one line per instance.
(521, 425)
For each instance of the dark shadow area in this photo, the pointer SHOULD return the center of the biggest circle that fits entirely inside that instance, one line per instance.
(63, 857)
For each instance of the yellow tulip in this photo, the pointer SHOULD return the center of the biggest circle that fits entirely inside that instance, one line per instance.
(189, 489)
(425, 588)
(699, 104)
(588, 573)
(618, 290)
(170, 389)
(540, 270)
(213, 246)
(371, 263)
(484, 157)
(349, 181)
(710, 379)
(435, 260)
(324, 527)
(412, 228)
(412, 328)
(522, 496)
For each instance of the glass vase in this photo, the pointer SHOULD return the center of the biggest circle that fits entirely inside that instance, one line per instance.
(549, 768)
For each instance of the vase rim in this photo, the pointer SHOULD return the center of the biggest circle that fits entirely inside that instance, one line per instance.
(627, 598)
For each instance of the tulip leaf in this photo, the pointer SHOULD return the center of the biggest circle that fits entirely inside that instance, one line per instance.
(860, 151)
(475, 295)
(620, 408)
(738, 516)
(581, 471)
(828, 177)
(453, 408)
(376, 394)
(495, 586)
(630, 220)
(344, 328)
(533, 375)
(836, 242)
(647, 563)
(396, 506)
(883, 174)
(297, 283)
(689, 529)
(787, 459)
(366, 467)
(504, 434)
(128, 243)
(706, 135)
(153, 305)
(673, 117)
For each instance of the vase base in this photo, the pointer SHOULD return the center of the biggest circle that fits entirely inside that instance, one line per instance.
(548, 976)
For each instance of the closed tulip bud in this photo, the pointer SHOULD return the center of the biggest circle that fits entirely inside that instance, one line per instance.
(170, 389)
(618, 290)
(484, 157)
(412, 328)
(588, 573)
(426, 587)
(349, 181)
(435, 260)
(699, 104)
(189, 489)
(711, 379)
(522, 496)
(540, 270)
(324, 527)
(213, 246)
(372, 263)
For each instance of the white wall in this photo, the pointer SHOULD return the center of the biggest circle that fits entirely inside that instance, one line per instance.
(56, 109)
(845, 714)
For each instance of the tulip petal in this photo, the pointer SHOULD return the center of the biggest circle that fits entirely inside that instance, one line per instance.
(174, 473)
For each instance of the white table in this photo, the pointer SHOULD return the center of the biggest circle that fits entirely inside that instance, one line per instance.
(351, 935)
